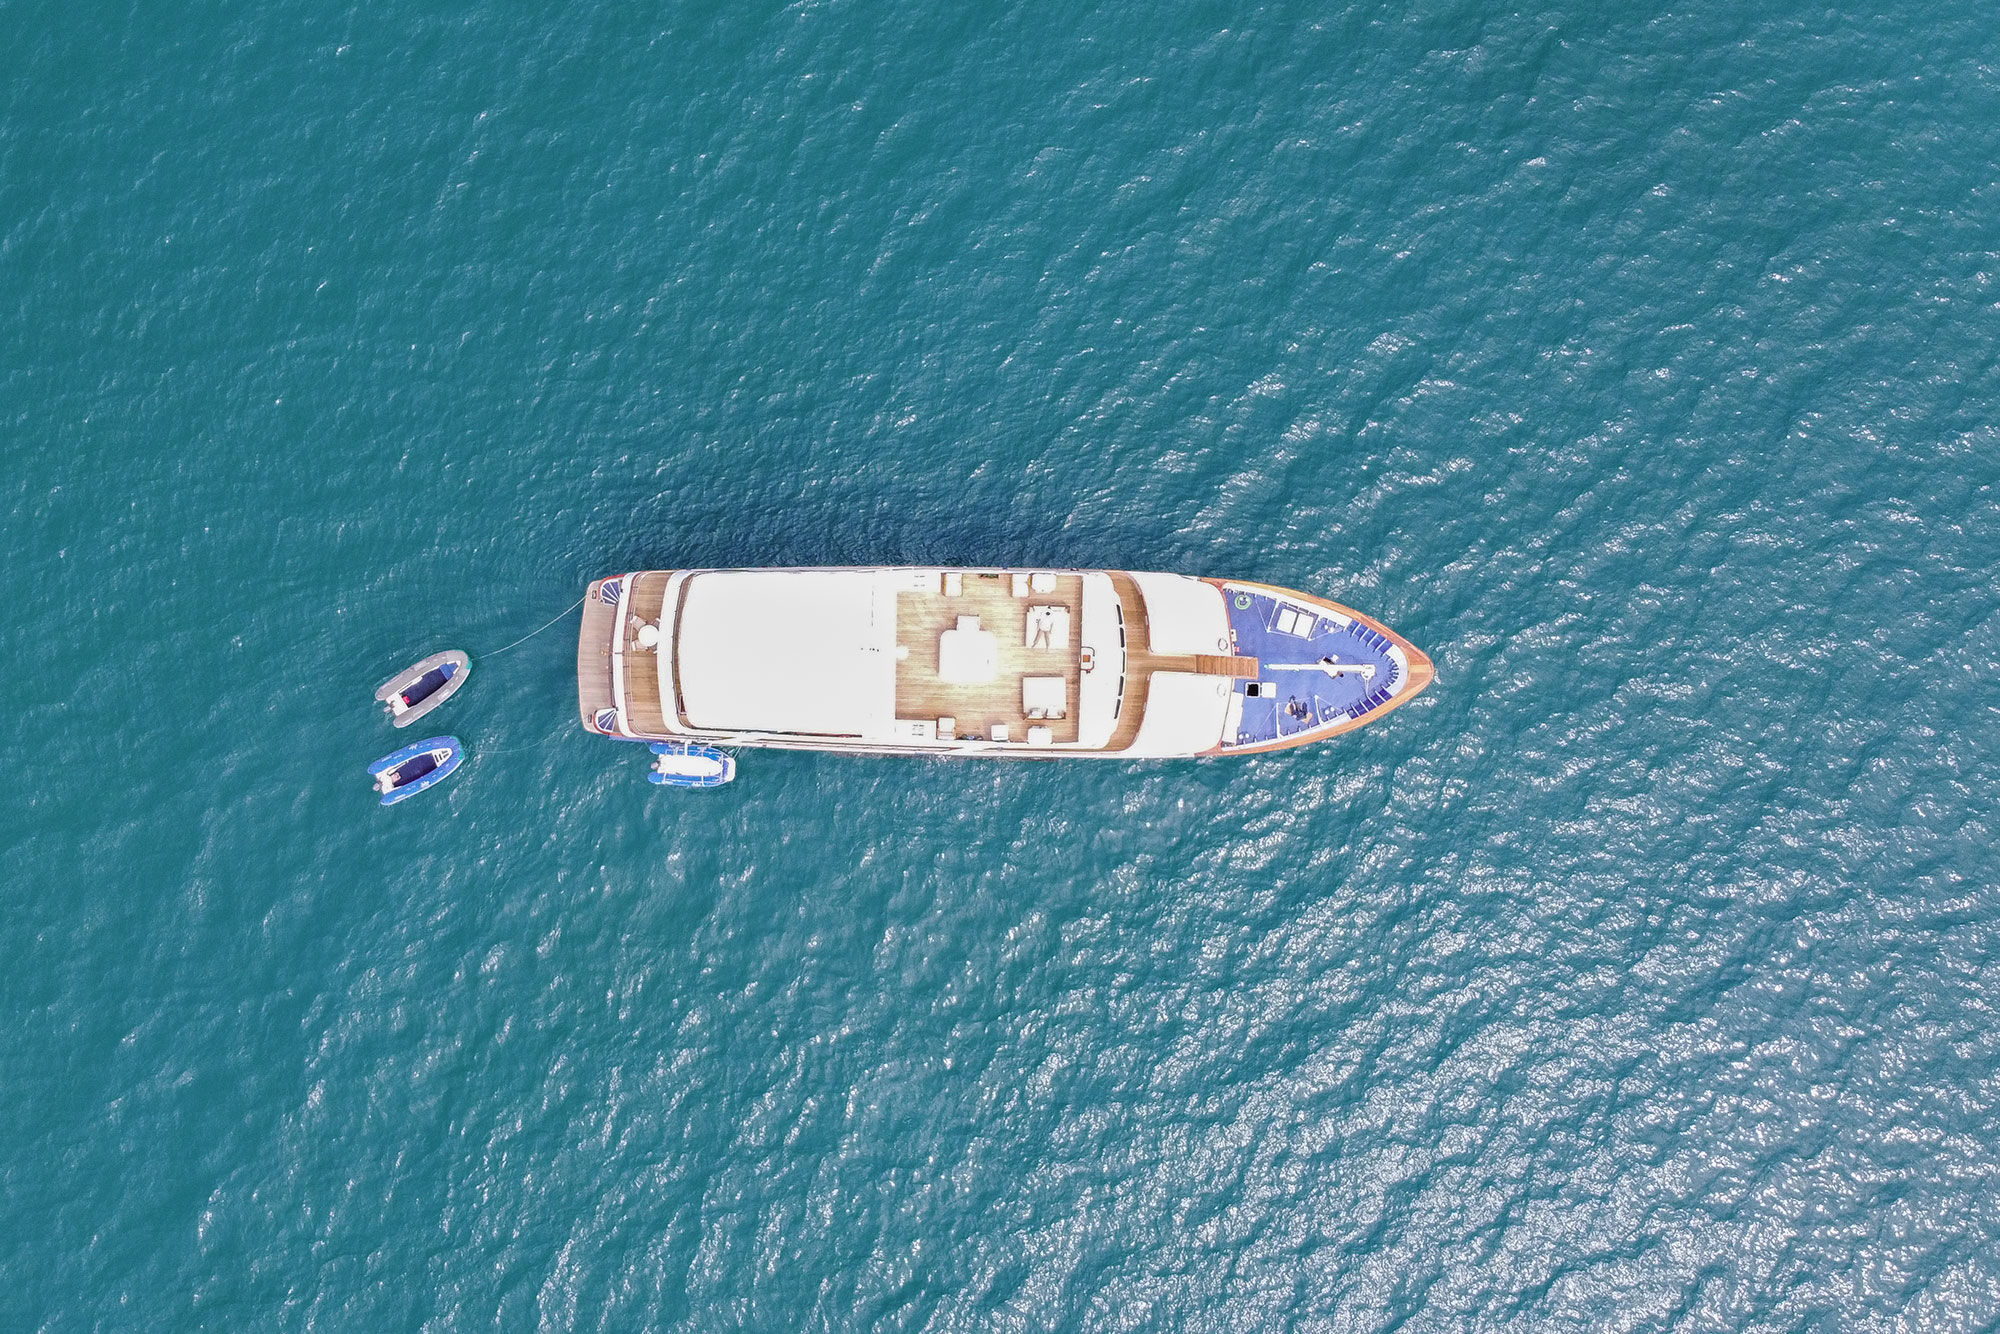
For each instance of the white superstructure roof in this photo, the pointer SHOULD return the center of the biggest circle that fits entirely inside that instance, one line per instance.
(788, 651)
(1185, 714)
(1183, 615)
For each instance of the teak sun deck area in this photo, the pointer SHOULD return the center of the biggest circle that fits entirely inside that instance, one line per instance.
(642, 672)
(922, 693)
(593, 654)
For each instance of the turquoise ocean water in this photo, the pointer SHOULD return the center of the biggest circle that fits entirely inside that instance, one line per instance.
(1639, 363)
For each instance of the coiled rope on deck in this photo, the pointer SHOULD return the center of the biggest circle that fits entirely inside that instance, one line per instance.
(532, 633)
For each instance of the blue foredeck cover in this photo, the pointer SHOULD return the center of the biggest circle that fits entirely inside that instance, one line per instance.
(1290, 642)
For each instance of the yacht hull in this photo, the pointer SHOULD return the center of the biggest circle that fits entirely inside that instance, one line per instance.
(982, 662)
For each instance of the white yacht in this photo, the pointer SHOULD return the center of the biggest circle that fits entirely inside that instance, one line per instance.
(1040, 663)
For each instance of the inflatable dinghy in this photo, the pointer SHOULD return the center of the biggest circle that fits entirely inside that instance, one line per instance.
(690, 764)
(414, 768)
(415, 691)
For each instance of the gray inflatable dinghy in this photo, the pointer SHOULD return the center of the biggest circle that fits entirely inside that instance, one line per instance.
(416, 690)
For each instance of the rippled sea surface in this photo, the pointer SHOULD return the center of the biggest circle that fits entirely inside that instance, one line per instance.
(1638, 363)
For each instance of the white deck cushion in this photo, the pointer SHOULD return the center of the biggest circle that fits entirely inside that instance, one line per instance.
(968, 655)
(1044, 696)
(1047, 628)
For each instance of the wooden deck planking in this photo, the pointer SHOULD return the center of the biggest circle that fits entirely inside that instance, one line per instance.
(1141, 662)
(642, 670)
(1138, 652)
(1210, 664)
(922, 617)
(593, 655)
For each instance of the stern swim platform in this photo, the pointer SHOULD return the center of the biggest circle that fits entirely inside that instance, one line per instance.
(1028, 663)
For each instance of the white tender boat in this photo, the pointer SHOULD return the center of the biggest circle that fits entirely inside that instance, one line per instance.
(988, 662)
(417, 689)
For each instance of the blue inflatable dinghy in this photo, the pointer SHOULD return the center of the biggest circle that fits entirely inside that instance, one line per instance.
(414, 768)
(690, 764)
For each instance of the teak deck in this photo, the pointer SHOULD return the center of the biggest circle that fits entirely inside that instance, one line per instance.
(642, 668)
(593, 655)
(921, 617)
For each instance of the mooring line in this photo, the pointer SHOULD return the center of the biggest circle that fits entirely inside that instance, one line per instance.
(532, 633)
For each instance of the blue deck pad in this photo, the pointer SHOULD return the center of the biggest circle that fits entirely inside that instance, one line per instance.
(1283, 635)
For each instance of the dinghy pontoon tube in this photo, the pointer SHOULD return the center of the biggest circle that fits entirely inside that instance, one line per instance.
(414, 768)
(416, 690)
